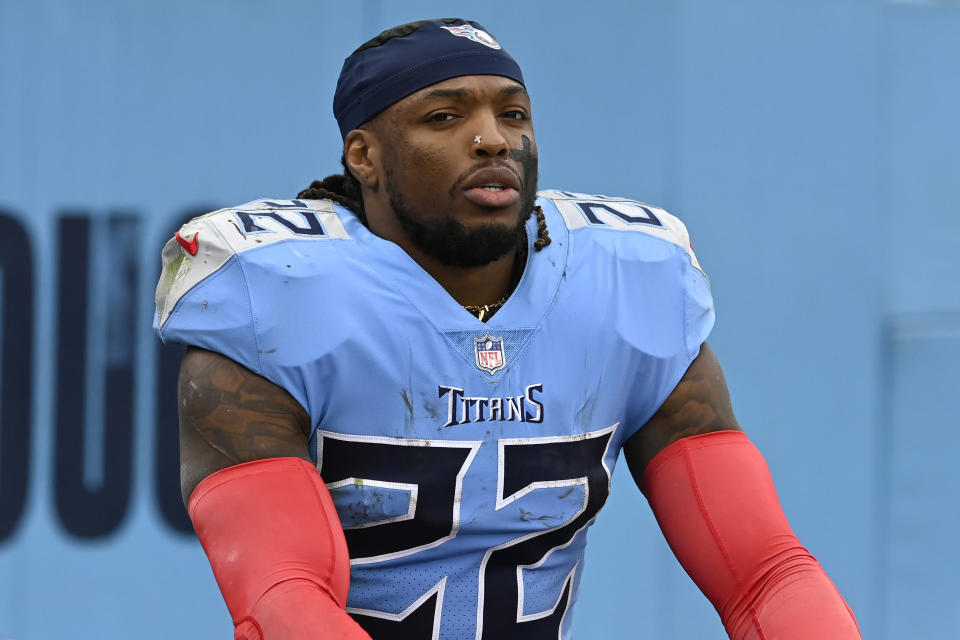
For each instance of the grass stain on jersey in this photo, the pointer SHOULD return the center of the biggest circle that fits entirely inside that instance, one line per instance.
(172, 271)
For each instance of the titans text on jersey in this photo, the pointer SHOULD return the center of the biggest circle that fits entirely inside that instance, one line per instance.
(466, 459)
(462, 408)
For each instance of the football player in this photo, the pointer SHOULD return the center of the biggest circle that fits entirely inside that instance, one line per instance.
(416, 377)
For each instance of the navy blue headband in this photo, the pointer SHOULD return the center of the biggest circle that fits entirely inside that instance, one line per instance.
(375, 77)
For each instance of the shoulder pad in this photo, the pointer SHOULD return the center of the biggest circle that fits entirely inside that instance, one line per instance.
(202, 246)
(580, 210)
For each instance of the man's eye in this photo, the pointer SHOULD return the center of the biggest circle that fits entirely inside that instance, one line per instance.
(441, 117)
(515, 114)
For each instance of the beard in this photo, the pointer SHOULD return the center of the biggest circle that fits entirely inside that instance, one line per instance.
(454, 244)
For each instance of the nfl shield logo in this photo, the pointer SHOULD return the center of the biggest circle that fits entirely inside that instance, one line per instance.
(488, 352)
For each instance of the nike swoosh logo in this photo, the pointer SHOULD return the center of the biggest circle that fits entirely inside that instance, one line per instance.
(190, 247)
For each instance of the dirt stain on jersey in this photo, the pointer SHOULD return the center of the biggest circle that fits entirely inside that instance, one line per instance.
(589, 403)
(527, 516)
(408, 421)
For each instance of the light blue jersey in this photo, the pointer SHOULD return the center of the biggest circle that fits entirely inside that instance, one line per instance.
(466, 459)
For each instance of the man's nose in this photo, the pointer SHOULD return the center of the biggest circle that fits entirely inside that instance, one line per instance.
(488, 141)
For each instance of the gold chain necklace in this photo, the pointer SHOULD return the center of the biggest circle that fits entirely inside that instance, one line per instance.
(484, 311)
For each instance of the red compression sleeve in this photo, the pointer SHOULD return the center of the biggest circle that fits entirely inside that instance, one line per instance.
(276, 547)
(714, 499)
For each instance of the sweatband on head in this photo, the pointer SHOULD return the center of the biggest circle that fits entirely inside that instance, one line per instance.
(376, 76)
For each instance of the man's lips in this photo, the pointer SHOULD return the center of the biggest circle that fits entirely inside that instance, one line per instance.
(492, 187)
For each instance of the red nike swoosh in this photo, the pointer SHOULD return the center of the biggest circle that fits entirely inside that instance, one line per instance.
(190, 247)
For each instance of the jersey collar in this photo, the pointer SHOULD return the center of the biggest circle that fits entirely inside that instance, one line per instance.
(526, 306)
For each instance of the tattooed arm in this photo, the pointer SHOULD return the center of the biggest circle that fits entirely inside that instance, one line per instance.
(699, 404)
(229, 415)
(716, 505)
(269, 528)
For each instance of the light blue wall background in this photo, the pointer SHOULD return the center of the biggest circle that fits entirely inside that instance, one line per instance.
(811, 146)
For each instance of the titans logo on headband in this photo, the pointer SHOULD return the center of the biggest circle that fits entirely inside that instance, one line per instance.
(477, 35)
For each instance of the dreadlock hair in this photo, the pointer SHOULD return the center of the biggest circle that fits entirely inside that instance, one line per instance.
(344, 188)
(543, 236)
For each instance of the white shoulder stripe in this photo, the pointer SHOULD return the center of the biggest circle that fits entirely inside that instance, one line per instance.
(581, 210)
(207, 243)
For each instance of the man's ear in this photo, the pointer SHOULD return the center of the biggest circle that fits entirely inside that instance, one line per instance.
(362, 155)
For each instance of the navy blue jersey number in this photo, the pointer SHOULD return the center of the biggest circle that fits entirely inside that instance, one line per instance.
(527, 464)
(628, 211)
(435, 470)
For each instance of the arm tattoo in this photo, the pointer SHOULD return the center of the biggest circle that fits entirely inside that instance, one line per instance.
(230, 415)
(700, 403)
